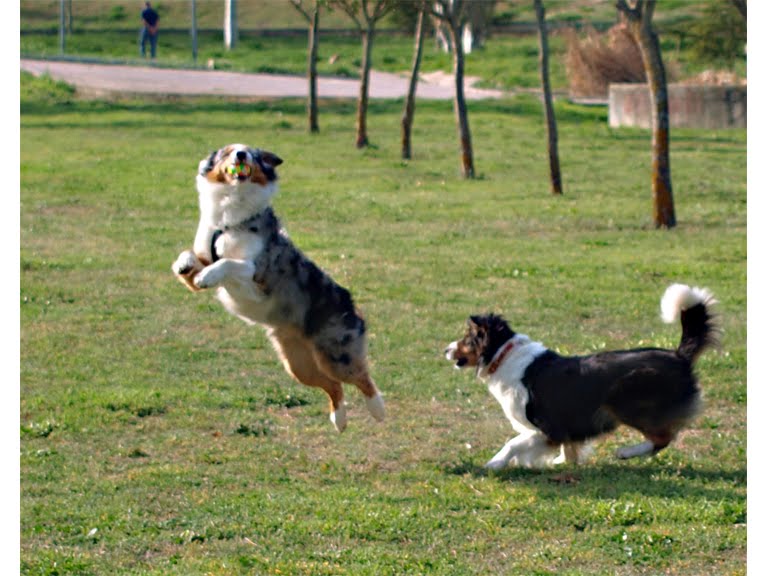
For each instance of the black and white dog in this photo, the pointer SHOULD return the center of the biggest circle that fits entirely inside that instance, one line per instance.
(558, 403)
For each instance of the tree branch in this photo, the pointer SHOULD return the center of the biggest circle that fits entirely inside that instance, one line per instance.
(299, 5)
(623, 8)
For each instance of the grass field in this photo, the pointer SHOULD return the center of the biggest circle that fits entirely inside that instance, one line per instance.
(161, 436)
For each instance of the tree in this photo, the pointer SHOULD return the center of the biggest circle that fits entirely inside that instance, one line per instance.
(549, 112)
(410, 100)
(193, 29)
(365, 14)
(478, 15)
(451, 13)
(62, 27)
(231, 31)
(639, 20)
(311, 14)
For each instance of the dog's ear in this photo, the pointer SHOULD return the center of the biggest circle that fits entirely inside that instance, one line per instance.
(476, 324)
(207, 163)
(270, 158)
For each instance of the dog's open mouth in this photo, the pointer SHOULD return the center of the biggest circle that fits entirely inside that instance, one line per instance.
(241, 171)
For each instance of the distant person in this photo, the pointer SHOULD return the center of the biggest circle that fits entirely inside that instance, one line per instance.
(149, 21)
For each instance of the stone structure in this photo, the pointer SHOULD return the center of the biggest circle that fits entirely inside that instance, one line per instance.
(690, 106)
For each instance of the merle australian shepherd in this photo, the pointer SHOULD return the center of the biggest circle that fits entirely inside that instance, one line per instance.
(558, 403)
(242, 251)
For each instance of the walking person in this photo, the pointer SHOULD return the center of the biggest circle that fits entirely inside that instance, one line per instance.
(149, 21)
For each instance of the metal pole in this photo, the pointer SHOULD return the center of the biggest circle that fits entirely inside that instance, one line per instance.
(62, 29)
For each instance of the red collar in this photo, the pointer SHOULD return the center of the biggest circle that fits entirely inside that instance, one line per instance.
(500, 356)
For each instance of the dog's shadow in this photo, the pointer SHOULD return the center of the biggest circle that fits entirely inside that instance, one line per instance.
(649, 477)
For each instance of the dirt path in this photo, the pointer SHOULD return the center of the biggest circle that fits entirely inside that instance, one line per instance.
(105, 79)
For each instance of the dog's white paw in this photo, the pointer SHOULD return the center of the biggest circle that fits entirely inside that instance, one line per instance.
(496, 465)
(642, 449)
(376, 407)
(339, 418)
(209, 277)
(185, 263)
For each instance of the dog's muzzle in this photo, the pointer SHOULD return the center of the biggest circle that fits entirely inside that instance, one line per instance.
(450, 354)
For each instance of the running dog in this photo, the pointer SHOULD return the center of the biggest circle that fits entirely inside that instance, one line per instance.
(558, 403)
(241, 249)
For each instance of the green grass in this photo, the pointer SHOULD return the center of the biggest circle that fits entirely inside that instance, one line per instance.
(160, 435)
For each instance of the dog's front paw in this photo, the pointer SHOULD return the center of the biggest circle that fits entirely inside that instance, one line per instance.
(209, 277)
(186, 262)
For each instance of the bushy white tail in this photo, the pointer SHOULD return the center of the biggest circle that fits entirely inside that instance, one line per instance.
(679, 297)
(694, 308)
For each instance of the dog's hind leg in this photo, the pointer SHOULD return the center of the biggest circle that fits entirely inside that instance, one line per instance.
(654, 443)
(373, 400)
(297, 355)
(573, 453)
(352, 367)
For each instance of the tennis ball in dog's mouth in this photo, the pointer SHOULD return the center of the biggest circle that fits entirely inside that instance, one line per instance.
(241, 169)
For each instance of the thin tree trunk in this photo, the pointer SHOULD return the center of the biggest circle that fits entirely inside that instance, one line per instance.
(193, 30)
(554, 159)
(410, 101)
(312, 70)
(362, 102)
(663, 204)
(62, 27)
(460, 104)
(641, 26)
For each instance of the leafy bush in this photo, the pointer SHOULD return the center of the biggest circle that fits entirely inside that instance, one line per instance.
(719, 36)
(117, 13)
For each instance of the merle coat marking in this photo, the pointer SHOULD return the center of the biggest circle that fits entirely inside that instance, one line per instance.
(261, 277)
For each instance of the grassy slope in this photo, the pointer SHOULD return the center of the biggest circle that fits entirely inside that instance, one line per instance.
(161, 436)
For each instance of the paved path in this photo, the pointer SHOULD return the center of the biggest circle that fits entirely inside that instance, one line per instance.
(106, 79)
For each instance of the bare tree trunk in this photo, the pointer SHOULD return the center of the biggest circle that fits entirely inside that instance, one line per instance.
(410, 100)
(460, 104)
(62, 28)
(362, 103)
(193, 30)
(365, 14)
(554, 160)
(312, 70)
(640, 24)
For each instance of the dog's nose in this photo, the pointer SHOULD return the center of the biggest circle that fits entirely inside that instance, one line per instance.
(241, 155)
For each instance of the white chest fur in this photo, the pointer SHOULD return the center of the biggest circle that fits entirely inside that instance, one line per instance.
(506, 384)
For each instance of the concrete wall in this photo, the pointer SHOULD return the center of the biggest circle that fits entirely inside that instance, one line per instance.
(690, 106)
